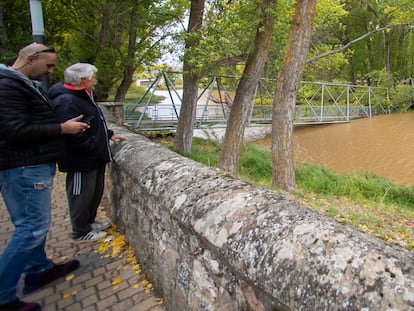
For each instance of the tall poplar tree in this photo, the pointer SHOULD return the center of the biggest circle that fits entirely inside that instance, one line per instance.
(184, 134)
(287, 85)
(233, 138)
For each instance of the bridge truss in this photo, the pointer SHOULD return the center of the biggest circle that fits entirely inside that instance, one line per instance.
(316, 103)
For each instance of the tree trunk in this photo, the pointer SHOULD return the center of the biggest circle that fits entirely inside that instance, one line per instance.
(184, 135)
(371, 54)
(388, 73)
(233, 138)
(287, 85)
(3, 32)
(402, 52)
(102, 92)
(130, 58)
(351, 66)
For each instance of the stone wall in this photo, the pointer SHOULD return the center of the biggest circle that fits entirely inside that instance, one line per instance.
(209, 242)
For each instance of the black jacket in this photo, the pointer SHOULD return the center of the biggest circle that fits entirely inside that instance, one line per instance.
(90, 149)
(29, 128)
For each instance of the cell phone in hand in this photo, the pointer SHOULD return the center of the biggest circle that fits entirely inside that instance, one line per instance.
(88, 119)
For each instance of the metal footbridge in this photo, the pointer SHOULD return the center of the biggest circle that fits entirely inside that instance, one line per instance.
(317, 103)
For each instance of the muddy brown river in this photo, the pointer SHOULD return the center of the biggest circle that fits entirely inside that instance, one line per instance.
(383, 145)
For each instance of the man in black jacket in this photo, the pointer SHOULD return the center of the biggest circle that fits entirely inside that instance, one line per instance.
(86, 154)
(30, 144)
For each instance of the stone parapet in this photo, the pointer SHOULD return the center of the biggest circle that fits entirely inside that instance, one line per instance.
(114, 111)
(210, 242)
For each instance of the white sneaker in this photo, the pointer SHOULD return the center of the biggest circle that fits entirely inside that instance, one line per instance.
(100, 224)
(91, 236)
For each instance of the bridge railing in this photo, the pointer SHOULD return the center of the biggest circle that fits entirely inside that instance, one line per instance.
(163, 116)
(316, 103)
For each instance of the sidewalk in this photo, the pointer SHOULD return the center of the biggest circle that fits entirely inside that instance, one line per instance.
(101, 283)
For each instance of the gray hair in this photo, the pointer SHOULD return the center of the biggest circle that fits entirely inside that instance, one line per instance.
(75, 73)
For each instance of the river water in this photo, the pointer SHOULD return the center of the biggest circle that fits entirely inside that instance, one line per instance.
(383, 145)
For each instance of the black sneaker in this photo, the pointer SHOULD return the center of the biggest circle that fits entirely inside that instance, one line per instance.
(33, 282)
(18, 305)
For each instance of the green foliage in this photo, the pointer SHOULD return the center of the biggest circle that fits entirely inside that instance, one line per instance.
(329, 14)
(205, 151)
(349, 20)
(98, 32)
(330, 69)
(306, 91)
(277, 49)
(380, 77)
(256, 164)
(135, 93)
(358, 187)
(7, 58)
(226, 33)
(17, 28)
(402, 97)
(267, 101)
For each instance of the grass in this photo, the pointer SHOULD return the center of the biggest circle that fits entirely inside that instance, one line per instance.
(365, 201)
(135, 93)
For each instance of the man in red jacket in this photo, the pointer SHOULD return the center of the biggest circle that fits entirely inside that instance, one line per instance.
(30, 143)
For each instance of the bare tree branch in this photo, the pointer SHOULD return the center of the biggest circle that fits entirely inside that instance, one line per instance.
(346, 46)
(226, 61)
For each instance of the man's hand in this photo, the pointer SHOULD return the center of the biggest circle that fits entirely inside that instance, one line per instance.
(116, 138)
(73, 126)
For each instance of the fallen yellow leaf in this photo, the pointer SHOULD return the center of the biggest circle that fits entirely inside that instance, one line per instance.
(116, 281)
(136, 267)
(70, 277)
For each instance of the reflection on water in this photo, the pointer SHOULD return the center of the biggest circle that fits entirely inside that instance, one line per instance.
(383, 145)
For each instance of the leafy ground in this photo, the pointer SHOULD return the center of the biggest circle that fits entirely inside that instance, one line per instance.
(116, 246)
(391, 224)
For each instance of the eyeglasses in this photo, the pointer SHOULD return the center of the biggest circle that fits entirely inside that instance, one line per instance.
(48, 50)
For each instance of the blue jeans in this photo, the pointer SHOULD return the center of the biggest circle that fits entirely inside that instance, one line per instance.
(26, 191)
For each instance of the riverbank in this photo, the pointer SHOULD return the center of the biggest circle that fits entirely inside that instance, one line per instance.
(377, 216)
(217, 134)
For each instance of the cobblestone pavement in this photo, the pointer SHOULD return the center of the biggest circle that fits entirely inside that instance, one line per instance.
(101, 283)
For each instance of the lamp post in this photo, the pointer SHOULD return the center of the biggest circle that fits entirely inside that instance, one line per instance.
(38, 30)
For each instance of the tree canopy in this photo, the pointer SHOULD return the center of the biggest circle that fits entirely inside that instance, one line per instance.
(100, 31)
(359, 42)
